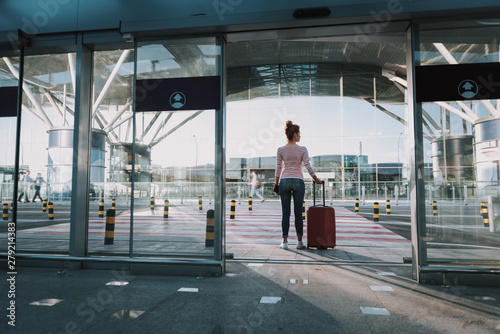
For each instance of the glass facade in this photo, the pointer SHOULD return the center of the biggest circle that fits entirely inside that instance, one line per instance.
(158, 172)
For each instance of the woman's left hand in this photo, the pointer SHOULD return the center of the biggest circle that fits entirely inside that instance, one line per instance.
(276, 189)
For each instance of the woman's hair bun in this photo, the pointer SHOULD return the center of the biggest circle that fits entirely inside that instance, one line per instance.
(291, 129)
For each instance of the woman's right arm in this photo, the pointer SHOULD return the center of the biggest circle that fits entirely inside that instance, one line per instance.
(310, 170)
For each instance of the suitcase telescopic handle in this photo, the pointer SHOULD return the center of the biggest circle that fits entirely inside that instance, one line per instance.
(314, 193)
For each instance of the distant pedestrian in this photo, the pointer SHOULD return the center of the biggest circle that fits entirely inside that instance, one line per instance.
(255, 184)
(26, 181)
(38, 185)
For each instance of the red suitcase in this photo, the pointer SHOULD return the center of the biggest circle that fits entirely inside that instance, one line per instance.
(320, 224)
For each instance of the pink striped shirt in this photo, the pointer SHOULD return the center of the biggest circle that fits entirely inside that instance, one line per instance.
(292, 158)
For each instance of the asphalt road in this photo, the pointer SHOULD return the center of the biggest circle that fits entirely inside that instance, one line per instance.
(455, 224)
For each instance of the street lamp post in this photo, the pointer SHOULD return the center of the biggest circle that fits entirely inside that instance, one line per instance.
(359, 169)
(196, 143)
(196, 159)
(400, 171)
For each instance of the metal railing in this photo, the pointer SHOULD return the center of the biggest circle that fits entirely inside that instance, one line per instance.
(460, 191)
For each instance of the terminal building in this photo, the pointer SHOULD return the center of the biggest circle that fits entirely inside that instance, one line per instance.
(146, 102)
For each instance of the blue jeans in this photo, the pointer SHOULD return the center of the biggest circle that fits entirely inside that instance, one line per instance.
(297, 189)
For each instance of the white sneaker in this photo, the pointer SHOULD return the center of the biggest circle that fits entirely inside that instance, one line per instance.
(300, 245)
(284, 245)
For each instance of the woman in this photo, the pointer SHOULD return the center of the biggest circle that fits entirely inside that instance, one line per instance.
(290, 181)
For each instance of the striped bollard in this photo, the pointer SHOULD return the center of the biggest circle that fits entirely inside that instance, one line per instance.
(375, 212)
(434, 208)
(11, 205)
(152, 203)
(233, 209)
(388, 207)
(200, 203)
(209, 238)
(51, 211)
(304, 210)
(484, 214)
(109, 235)
(6, 212)
(356, 205)
(44, 206)
(165, 209)
(113, 204)
(250, 203)
(101, 209)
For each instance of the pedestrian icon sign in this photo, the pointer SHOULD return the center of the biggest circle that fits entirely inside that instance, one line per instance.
(177, 100)
(467, 89)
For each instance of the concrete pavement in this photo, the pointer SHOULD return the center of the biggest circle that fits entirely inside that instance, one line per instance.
(361, 286)
(345, 290)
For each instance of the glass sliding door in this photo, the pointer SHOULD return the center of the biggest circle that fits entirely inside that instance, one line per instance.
(174, 151)
(9, 81)
(111, 148)
(46, 150)
(347, 96)
(461, 141)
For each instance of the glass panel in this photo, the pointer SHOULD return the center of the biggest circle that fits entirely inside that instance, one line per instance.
(46, 151)
(461, 140)
(337, 100)
(175, 156)
(8, 81)
(111, 150)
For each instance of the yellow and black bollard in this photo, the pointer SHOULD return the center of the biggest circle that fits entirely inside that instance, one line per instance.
(304, 210)
(356, 206)
(6, 212)
(51, 211)
(375, 212)
(165, 209)
(200, 203)
(44, 206)
(434, 208)
(11, 205)
(113, 204)
(250, 203)
(152, 203)
(101, 209)
(109, 235)
(233, 209)
(209, 238)
(388, 207)
(484, 213)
